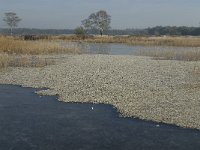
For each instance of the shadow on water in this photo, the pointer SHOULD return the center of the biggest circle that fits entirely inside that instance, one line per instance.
(31, 122)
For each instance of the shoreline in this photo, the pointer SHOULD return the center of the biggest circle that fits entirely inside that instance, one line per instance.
(136, 86)
(26, 115)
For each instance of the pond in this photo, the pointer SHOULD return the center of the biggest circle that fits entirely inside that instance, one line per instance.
(122, 49)
(108, 48)
(29, 122)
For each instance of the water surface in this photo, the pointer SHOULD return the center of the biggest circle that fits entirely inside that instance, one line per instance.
(108, 48)
(31, 122)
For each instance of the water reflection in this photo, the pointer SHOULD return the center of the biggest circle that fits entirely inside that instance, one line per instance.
(107, 48)
(123, 49)
(94, 48)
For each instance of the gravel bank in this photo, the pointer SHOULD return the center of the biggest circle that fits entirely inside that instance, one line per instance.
(163, 91)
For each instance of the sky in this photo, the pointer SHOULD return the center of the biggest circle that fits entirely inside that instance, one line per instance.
(68, 14)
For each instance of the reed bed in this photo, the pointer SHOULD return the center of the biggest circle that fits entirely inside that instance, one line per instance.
(4, 60)
(165, 41)
(171, 53)
(136, 40)
(16, 52)
(10, 60)
(13, 45)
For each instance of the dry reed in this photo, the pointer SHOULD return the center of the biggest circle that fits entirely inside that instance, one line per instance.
(4, 60)
(13, 45)
(171, 53)
(10, 60)
(137, 40)
(16, 52)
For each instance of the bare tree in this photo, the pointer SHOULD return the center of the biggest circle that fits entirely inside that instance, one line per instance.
(11, 20)
(99, 21)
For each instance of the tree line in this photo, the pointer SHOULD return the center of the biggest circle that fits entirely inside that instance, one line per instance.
(156, 31)
(173, 30)
(96, 23)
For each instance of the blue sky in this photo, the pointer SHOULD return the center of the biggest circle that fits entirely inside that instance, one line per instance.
(125, 13)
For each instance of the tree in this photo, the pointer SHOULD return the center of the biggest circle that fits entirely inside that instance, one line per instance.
(80, 32)
(99, 21)
(11, 20)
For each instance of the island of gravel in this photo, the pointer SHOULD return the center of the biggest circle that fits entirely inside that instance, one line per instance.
(159, 90)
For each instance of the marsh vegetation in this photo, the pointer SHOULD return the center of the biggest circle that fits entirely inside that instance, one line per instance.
(143, 40)
(176, 48)
(150, 87)
(14, 51)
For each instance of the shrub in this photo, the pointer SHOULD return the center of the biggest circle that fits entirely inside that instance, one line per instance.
(80, 32)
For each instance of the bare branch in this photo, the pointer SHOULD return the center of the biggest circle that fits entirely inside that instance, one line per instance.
(99, 21)
(11, 20)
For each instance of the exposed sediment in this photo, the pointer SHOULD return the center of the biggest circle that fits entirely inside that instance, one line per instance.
(160, 90)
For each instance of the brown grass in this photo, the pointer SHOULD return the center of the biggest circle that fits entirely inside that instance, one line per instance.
(4, 60)
(13, 45)
(10, 60)
(137, 40)
(165, 41)
(16, 52)
(171, 54)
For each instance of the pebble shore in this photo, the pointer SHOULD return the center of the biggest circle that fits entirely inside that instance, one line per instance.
(159, 90)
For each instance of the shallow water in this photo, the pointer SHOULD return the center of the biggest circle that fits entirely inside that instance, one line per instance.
(121, 49)
(31, 122)
(108, 48)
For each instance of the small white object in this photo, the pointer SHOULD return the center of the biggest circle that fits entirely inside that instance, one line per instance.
(157, 125)
(92, 108)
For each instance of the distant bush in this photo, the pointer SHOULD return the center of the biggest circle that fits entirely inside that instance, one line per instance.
(80, 32)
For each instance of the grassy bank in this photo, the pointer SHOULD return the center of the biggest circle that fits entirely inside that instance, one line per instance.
(9, 60)
(137, 40)
(171, 53)
(17, 52)
(13, 45)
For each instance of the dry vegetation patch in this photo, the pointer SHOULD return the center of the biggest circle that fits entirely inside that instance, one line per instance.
(171, 53)
(4, 60)
(10, 60)
(137, 40)
(13, 45)
(15, 51)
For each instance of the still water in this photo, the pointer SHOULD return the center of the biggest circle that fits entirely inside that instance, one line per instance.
(108, 48)
(32, 122)
(121, 49)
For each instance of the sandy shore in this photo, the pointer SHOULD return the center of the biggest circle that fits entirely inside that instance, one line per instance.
(160, 90)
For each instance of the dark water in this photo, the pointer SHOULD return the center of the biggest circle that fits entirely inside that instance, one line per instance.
(31, 122)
